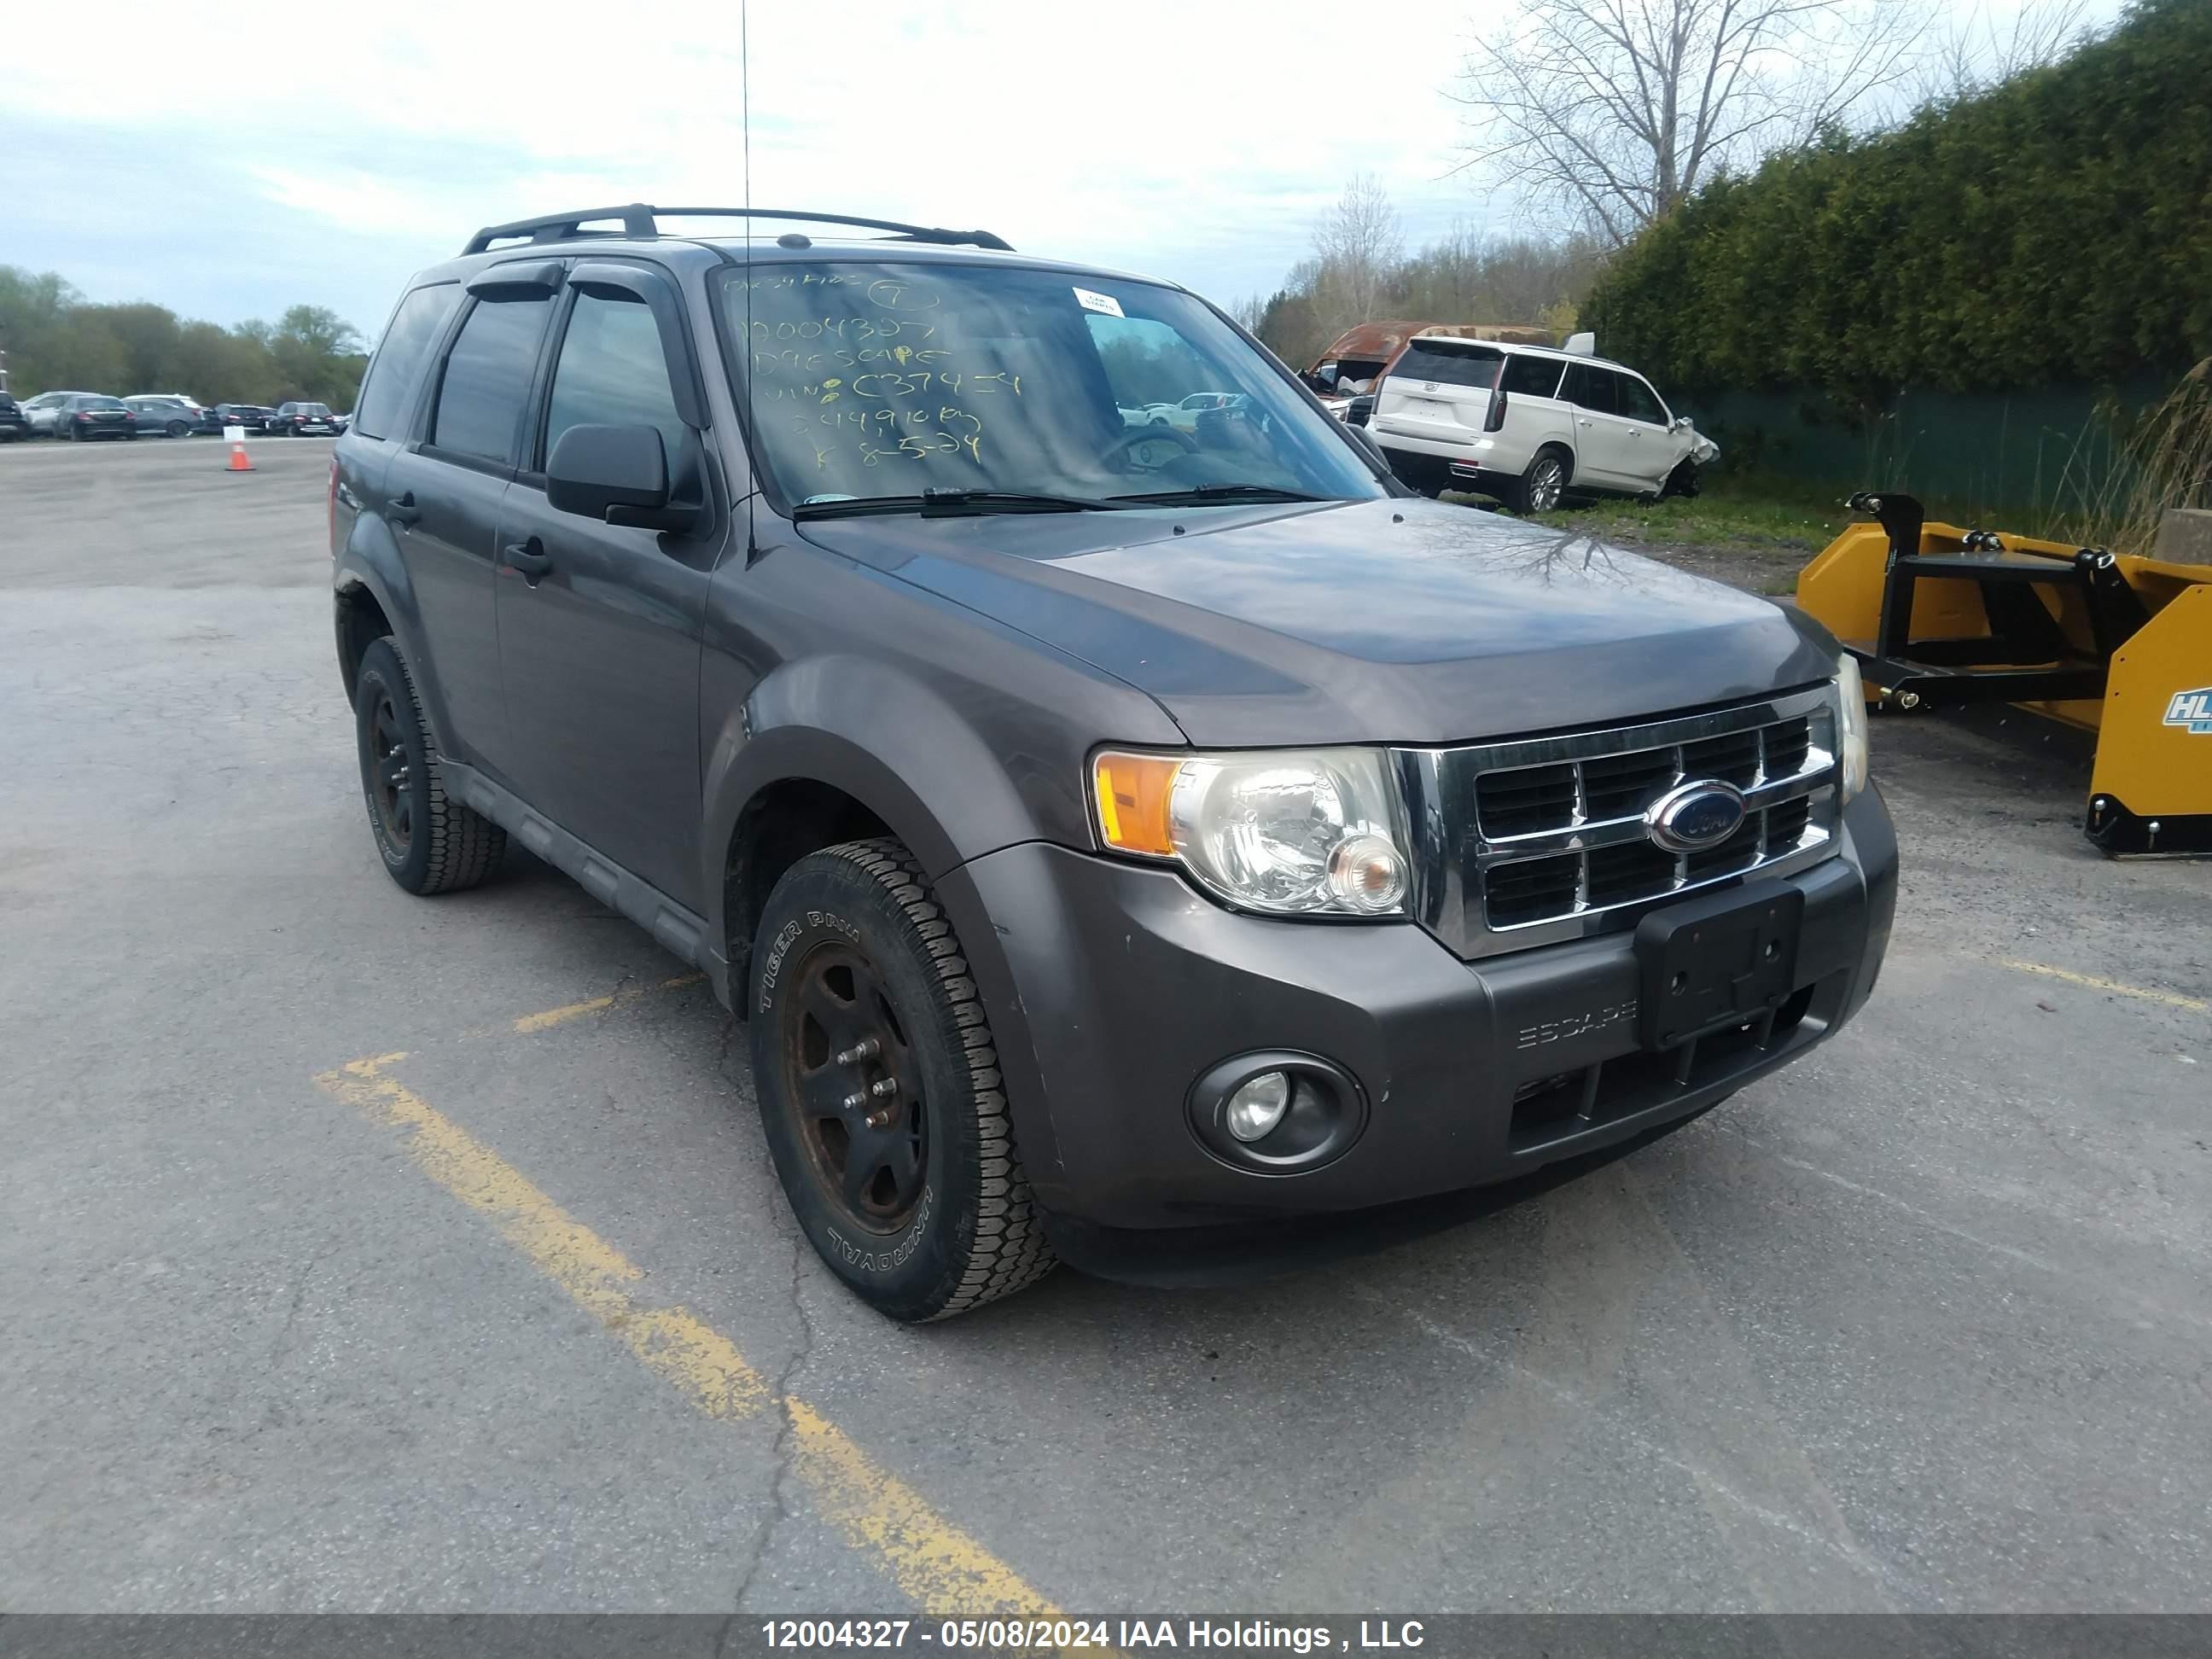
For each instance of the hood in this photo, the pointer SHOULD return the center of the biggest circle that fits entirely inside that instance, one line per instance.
(1407, 622)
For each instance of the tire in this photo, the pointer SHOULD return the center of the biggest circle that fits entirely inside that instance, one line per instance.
(429, 843)
(1543, 486)
(926, 1214)
(1683, 481)
(177, 430)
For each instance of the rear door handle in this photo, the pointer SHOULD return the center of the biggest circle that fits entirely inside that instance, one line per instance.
(404, 510)
(528, 559)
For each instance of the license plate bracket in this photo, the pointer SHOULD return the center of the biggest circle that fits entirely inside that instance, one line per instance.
(1712, 962)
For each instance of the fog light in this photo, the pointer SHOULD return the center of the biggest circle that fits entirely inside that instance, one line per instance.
(1258, 1106)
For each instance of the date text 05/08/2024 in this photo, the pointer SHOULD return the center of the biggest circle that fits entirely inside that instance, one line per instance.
(832, 1634)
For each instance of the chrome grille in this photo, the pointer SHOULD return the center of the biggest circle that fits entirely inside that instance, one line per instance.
(1522, 842)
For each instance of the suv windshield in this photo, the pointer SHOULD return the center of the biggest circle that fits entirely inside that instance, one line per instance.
(872, 380)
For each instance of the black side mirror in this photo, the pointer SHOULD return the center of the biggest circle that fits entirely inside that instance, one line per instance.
(618, 474)
(1494, 417)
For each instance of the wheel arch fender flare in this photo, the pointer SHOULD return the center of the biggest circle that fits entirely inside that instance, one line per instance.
(832, 720)
(370, 564)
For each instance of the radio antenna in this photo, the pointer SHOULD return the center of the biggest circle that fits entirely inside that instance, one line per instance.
(745, 367)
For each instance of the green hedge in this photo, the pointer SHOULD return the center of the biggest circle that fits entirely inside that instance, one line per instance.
(2057, 229)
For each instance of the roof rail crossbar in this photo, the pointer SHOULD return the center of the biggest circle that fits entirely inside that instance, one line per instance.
(637, 220)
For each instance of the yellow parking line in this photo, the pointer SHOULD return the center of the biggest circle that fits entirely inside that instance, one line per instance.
(942, 1568)
(2091, 982)
(562, 1016)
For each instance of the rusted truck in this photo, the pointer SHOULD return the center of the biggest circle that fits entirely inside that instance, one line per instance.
(1348, 367)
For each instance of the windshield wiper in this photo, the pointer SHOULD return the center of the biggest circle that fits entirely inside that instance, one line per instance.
(1225, 492)
(942, 502)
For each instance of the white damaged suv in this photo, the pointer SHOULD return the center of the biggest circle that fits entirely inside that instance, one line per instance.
(1528, 423)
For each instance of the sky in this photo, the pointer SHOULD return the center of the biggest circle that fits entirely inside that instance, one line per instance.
(230, 161)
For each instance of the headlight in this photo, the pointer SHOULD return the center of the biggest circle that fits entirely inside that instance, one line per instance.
(1295, 832)
(1851, 724)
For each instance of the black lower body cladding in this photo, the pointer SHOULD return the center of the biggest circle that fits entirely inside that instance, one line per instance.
(1112, 989)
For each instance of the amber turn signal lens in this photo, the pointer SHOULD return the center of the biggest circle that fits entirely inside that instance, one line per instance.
(1132, 792)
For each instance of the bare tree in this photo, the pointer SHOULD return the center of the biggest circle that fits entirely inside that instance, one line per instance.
(1616, 110)
(1357, 243)
(1979, 47)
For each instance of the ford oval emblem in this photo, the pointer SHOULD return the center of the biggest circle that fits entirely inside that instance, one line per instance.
(1692, 816)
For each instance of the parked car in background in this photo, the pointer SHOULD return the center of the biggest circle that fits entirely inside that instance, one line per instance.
(1527, 424)
(340, 422)
(13, 424)
(44, 412)
(171, 414)
(298, 420)
(253, 417)
(1183, 416)
(94, 415)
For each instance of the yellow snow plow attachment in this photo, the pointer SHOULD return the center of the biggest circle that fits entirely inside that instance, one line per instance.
(2114, 644)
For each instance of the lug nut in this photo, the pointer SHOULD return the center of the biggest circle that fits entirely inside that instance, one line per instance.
(866, 1048)
(880, 1120)
(853, 1103)
(884, 1088)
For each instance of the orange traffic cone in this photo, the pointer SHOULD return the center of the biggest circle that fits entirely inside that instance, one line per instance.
(238, 461)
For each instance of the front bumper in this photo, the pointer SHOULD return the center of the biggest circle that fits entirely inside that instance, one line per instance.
(1112, 986)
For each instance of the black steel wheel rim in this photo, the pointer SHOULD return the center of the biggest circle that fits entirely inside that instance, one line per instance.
(389, 781)
(852, 1086)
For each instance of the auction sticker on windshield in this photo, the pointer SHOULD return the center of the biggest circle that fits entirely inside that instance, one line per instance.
(1105, 304)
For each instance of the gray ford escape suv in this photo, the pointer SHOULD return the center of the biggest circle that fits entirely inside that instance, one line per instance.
(1115, 838)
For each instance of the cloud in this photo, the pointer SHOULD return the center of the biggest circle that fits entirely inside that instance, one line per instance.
(1191, 139)
(229, 164)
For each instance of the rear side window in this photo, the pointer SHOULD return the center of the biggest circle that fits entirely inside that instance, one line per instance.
(1424, 360)
(1533, 377)
(613, 373)
(1591, 388)
(388, 396)
(488, 379)
(1638, 401)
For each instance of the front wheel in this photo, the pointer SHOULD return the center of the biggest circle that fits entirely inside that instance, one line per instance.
(1682, 481)
(879, 1089)
(430, 843)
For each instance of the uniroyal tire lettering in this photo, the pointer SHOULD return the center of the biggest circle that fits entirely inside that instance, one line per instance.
(883, 1262)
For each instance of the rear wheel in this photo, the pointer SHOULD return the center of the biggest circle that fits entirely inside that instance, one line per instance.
(1543, 487)
(879, 1089)
(177, 430)
(430, 844)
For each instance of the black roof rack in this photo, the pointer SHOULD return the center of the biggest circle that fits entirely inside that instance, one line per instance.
(637, 220)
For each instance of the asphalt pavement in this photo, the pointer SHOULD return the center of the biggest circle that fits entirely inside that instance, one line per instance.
(368, 1253)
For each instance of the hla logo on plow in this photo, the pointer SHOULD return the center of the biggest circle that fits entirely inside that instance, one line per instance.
(2192, 709)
